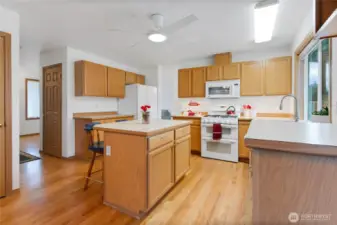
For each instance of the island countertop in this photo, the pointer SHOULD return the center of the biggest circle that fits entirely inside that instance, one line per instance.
(299, 137)
(136, 127)
(101, 117)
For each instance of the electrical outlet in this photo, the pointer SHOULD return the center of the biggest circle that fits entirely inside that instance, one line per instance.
(108, 150)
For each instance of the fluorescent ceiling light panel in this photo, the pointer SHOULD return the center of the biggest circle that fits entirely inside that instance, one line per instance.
(264, 20)
(157, 37)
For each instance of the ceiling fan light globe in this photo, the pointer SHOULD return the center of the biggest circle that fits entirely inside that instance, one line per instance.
(157, 37)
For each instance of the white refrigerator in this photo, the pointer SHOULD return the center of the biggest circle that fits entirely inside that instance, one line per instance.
(137, 95)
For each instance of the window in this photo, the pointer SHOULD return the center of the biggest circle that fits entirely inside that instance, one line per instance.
(32, 99)
(318, 78)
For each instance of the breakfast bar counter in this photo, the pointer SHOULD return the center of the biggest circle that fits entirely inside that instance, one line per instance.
(294, 171)
(142, 162)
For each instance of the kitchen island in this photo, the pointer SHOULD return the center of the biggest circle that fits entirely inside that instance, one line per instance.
(142, 162)
(294, 172)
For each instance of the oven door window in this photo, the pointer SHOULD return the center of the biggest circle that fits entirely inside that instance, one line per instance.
(223, 90)
(225, 131)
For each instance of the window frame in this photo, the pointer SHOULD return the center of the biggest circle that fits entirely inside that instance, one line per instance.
(26, 98)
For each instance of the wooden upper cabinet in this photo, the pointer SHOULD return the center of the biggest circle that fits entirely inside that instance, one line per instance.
(198, 82)
(278, 79)
(130, 78)
(90, 79)
(140, 79)
(252, 75)
(184, 83)
(116, 83)
(213, 73)
(231, 71)
(324, 9)
(223, 59)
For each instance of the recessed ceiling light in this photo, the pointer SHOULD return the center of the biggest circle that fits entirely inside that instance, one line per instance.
(264, 20)
(157, 37)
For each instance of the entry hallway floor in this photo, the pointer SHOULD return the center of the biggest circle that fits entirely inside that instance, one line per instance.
(213, 192)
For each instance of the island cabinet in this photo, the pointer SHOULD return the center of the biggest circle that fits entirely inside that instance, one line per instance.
(244, 152)
(142, 162)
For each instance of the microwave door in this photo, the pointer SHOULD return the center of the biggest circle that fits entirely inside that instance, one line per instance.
(220, 91)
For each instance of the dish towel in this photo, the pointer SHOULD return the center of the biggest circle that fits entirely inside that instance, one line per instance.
(217, 131)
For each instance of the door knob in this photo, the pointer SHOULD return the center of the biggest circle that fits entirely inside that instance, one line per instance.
(0, 125)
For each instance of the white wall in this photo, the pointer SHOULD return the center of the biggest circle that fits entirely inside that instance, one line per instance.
(83, 104)
(168, 86)
(10, 23)
(29, 68)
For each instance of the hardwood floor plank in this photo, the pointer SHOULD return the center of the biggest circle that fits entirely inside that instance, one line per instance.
(213, 192)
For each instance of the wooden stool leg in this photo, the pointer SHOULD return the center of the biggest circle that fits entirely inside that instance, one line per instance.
(89, 171)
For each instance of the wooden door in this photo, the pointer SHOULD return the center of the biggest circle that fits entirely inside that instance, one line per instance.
(2, 119)
(95, 79)
(252, 75)
(184, 83)
(198, 82)
(278, 79)
(140, 79)
(196, 138)
(116, 83)
(243, 129)
(213, 73)
(182, 153)
(130, 78)
(160, 174)
(231, 71)
(52, 110)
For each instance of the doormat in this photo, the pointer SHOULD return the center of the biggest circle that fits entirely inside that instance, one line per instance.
(25, 157)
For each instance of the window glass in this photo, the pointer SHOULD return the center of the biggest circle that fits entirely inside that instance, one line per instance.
(313, 79)
(32, 99)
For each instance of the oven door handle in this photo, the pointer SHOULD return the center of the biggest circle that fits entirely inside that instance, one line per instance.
(222, 125)
(220, 141)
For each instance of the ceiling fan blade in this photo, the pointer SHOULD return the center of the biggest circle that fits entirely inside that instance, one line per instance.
(180, 24)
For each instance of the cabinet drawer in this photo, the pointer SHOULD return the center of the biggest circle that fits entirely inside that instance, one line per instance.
(181, 132)
(161, 139)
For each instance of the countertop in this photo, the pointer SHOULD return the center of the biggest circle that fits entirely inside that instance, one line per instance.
(188, 117)
(102, 117)
(299, 137)
(136, 127)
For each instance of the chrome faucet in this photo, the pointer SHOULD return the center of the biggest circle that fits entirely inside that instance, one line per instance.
(296, 117)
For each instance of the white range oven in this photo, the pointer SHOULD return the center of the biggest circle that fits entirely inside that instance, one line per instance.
(226, 148)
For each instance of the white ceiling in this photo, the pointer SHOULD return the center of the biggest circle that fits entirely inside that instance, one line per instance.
(223, 25)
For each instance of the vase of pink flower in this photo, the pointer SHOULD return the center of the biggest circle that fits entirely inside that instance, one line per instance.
(247, 111)
(145, 114)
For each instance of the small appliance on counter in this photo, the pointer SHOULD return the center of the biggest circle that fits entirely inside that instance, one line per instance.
(223, 89)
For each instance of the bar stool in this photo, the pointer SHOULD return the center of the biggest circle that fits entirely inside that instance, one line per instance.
(97, 149)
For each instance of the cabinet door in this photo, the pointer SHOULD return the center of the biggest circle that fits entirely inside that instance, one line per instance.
(214, 73)
(182, 155)
(278, 76)
(223, 59)
(252, 78)
(140, 79)
(231, 71)
(184, 83)
(243, 129)
(130, 78)
(160, 174)
(198, 82)
(116, 83)
(196, 138)
(95, 79)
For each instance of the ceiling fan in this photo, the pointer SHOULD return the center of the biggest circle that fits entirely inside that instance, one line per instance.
(160, 33)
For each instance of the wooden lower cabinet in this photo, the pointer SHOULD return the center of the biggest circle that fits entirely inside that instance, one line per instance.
(244, 152)
(182, 155)
(161, 172)
(196, 138)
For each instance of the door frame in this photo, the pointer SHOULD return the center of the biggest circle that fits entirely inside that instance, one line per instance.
(8, 112)
(43, 98)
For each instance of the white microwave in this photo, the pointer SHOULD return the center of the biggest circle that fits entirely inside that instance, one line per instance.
(223, 89)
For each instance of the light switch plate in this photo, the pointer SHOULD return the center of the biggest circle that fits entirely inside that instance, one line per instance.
(108, 150)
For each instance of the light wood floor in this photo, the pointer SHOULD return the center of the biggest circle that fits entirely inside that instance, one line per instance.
(214, 192)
